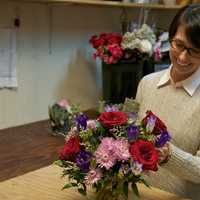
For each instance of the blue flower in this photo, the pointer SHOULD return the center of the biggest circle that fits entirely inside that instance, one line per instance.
(83, 160)
(162, 139)
(133, 133)
(81, 122)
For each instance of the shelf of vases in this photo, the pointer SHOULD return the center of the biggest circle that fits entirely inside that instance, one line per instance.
(105, 3)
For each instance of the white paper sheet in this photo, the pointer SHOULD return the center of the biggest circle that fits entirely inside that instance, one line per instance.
(8, 58)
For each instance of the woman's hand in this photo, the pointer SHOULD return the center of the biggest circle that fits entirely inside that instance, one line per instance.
(164, 153)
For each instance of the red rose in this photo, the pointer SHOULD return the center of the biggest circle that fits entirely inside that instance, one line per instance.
(71, 148)
(96, 42)
(113, 38)
(115, 50)
(159, 125)
(110, 119)
(145, 153)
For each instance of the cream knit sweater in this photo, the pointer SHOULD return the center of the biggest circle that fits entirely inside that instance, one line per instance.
(181, 114)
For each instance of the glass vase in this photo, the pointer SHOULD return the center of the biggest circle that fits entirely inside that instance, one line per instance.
(108, 194)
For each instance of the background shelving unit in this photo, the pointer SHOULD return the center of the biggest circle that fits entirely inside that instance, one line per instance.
(104, 3)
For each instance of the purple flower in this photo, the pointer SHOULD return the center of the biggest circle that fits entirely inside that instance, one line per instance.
(83, 160)
(136, 168)
(162, 139)
(132, 116)
(124, 169)
(133, 133)
(111, 108)
(151, 121)
(81, 122)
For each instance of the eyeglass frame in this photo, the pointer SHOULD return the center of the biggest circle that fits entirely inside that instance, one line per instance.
(183, 47)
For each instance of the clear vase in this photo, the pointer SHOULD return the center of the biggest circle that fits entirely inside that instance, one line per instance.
(108, 194)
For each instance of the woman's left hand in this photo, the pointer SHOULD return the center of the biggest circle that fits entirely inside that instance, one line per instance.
(164, 153)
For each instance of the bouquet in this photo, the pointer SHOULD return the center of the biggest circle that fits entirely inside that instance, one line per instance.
(140, 42)
(135, 45)
(112, 152)
(62, 117)
(108, 47)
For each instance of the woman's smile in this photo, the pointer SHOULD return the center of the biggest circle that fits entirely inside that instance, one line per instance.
(182, 63)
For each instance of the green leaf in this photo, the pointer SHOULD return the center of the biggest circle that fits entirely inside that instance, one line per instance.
(135, 189)
(69, 185)
(58, 162)
(125, 189)
(145, 183)
(101, 106)
(130, 105)
(82, 191)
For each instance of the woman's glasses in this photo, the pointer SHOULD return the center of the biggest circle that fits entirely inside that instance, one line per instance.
(179, 46)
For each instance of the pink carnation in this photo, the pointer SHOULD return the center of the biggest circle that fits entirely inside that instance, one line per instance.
(105, 155)
(122, 150)
(93, 176)
(72, 133)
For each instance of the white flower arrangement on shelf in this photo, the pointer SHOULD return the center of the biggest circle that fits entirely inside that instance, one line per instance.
(141, 40)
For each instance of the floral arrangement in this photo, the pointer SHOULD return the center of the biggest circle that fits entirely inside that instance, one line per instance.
(108, 47)
(62, 116)
(141, 40)
(112, 152)
(135, 45)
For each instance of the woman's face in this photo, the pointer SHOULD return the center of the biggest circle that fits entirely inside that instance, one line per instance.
(182, 61)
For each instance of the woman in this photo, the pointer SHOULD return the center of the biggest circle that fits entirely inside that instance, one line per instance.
(174, 96)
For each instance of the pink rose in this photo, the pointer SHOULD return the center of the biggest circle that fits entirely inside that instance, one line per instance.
(63, 103)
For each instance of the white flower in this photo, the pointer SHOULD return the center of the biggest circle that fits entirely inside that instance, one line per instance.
(136, 168)
(91, 124)
(142, 39)
(145, 46)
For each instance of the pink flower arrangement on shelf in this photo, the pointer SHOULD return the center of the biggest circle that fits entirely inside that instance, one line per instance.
(108, 47)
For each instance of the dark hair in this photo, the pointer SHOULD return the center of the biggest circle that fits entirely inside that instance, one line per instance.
(189, 17)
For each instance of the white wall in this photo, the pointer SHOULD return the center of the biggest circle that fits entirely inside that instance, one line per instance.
(54, 57)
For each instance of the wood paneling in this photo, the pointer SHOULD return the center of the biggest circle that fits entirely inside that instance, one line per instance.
(26, 148)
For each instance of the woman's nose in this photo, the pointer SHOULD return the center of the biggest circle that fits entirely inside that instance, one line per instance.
(183, 56)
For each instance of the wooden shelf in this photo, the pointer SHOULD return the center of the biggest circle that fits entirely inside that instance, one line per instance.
(104, 3)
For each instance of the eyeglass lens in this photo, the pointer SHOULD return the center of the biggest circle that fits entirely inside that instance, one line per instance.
(179, 46)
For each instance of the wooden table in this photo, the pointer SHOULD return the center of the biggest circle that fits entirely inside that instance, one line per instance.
(46, 184)
(25, 171)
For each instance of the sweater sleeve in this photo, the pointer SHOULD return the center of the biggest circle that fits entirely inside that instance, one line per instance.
(184, 164)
